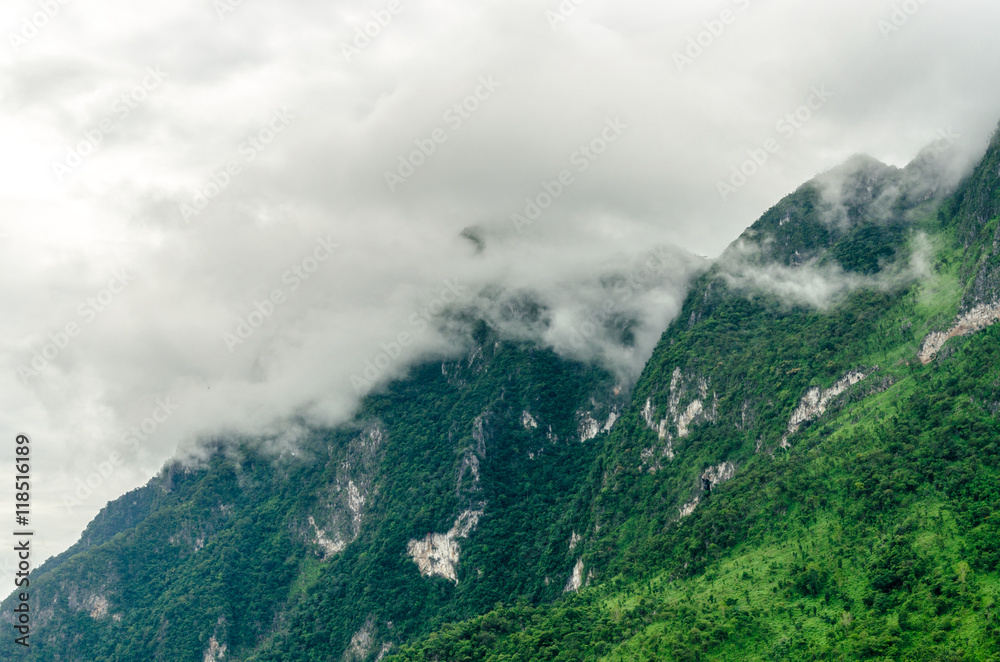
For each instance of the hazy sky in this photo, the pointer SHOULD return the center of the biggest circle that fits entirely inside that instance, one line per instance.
(168, 169)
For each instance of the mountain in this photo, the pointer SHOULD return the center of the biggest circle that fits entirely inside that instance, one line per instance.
(807, 468)
(446, 495)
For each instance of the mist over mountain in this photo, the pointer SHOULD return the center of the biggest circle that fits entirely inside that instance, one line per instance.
(504, 330)
(804, 466)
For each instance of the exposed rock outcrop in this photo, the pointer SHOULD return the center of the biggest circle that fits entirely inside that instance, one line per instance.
(816, 401)
(437, 554)
(714, 475)
(215, 652)
(576, 578)
(590, 428)
(977, 319)
(337, 522)
(698, 409)
(362, 642)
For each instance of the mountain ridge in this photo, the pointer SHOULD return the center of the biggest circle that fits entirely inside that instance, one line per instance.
(786, 477)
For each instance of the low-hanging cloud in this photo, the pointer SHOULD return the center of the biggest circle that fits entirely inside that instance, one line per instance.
(817, 283)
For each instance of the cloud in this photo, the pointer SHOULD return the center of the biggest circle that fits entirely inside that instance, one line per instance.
(611, 311)
(864, 188)
(269, 196)
(817, 283)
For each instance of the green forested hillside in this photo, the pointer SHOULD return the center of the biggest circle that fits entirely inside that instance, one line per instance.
(871, 530)
(802, 472)
(230, 551)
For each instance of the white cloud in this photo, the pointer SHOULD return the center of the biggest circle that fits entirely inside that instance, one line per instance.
(225, 78)
(815, 283)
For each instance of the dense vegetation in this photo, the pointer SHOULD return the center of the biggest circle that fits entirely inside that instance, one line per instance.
(875, 537)
(703, 526)
(225, 550)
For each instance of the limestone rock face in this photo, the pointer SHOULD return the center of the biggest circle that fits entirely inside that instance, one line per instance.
(816, 401)
(977, 319)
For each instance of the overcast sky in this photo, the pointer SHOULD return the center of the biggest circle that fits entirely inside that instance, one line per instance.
(170, 168)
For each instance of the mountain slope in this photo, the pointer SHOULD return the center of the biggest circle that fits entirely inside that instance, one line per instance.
(790, 480)
(442, 498)
(806, 469)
